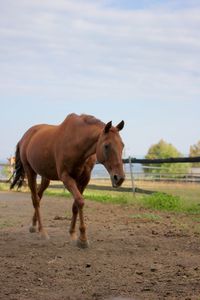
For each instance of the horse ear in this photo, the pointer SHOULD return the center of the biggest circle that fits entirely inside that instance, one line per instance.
(108, 126)
(120, 126)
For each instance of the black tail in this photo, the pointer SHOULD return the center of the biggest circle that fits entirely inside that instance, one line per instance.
(18, 173)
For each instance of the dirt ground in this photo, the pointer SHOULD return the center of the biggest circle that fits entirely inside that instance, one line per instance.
(134, 253)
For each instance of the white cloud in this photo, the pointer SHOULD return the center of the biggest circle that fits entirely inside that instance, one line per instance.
(76, 49)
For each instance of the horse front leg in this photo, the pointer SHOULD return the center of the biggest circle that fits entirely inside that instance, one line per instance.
(77, 208)
(72, 230)
(82, 242)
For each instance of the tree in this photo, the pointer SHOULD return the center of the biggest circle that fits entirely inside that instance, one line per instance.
(195, 151)
(165, 150)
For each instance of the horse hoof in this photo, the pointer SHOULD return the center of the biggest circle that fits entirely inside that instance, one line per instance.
(32, 229)
(73, 237)
(73, 242)
(44, 235)
(82, 244)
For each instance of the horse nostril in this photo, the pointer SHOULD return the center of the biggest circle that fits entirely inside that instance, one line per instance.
(115, 178)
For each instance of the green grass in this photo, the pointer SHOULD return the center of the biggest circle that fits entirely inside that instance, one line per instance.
(6, 224)
(158, 201)
(57, 193)
(171, 197)
(109, 197)
(99, 196)
(162, 201)
(188, 197)
(168, 202)
(146, 216)
(4, 186)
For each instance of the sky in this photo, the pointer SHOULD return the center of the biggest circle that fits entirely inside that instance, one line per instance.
(115, 59)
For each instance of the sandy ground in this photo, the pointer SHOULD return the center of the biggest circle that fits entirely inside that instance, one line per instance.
(134, 253)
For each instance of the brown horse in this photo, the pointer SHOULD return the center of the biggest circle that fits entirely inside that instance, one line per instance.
(68, 152)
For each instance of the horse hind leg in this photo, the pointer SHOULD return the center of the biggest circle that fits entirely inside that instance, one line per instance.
(43, 186)
(31, 175)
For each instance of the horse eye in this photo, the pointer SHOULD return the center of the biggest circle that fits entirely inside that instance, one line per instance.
(106, 146)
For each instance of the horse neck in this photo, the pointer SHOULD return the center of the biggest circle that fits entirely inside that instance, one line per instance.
(89, 134)
(90, 143)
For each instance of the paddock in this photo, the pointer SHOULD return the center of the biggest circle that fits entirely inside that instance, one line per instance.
(131, 256)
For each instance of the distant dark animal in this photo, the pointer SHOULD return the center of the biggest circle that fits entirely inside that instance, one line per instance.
(68, 152)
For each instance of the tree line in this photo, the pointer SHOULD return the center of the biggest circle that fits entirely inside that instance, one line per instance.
(162, 149)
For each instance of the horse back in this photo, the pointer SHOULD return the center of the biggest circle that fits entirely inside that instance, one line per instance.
(51, 150)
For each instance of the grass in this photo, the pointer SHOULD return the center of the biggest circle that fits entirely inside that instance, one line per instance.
(109, 197)
(146, 216)
(184, 198)
(57, 192)
(98, 196)
(4, 186)
(6, 224)
(162, 201)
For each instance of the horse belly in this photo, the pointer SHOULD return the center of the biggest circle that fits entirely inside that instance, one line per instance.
(48, 172)
(44, 167)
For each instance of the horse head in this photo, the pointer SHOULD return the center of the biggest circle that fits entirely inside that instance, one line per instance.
(109, 152)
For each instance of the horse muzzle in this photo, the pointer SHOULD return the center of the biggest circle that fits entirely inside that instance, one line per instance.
(117, 180)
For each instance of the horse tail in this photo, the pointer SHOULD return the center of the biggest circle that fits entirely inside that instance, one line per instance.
(19, 173)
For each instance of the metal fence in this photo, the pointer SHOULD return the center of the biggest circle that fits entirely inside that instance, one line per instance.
(5, 172)
(134, 170)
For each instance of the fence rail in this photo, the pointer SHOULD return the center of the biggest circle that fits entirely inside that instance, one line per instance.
(162, 160)
(134, 176)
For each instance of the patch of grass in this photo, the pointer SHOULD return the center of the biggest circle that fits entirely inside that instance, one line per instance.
(6, 224)
(109, 197)
(57, 193)
(99, 196)
(166, 202)
(191, 208)
(148, 216)
(189, 194)
(4, 186)
(162, 201)
(183, 198)
(157, 201)
(196, 219)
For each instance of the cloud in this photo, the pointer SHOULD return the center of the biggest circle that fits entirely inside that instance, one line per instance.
(95, 50)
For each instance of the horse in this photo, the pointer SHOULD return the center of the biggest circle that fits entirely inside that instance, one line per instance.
(68, 152)
(11, 161)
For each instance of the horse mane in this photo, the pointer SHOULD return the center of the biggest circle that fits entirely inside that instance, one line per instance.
(87, 119)
(91, 120)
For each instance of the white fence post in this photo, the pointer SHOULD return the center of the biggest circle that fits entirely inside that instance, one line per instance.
(132, 178)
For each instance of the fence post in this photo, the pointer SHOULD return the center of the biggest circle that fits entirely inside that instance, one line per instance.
(132, 178)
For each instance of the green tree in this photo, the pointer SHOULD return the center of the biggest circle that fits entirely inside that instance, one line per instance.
(195, 151)
(165, 150)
